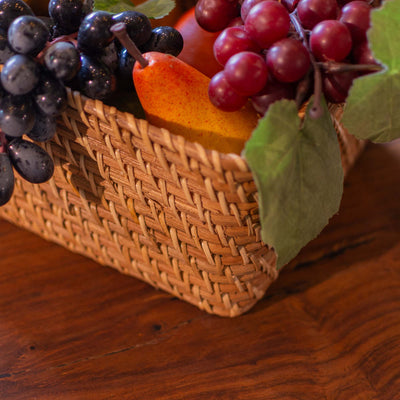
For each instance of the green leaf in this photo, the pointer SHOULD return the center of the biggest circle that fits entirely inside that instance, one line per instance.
(372, 107)
(113, 6)
(156, 8)
(299, 176)
(151, 8)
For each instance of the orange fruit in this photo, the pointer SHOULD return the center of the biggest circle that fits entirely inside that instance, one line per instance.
(197, 45)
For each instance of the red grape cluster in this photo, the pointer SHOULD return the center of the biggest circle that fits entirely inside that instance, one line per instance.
(274, 49)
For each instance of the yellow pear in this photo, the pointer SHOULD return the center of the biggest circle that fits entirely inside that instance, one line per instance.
(174, 95)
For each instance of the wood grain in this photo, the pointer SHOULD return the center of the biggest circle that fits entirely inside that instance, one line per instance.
(328, 328)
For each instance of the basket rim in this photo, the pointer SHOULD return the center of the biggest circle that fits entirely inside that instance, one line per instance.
(212, 158)
(209, 157)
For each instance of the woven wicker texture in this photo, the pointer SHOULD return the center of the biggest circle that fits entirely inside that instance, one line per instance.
(153, 206)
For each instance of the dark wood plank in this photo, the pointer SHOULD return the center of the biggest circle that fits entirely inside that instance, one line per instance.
(328, 328)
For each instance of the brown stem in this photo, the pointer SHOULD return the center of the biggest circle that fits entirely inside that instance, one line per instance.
(119, 30)
(303, 89)
(332, 67)
(71, 38)
(316, 109)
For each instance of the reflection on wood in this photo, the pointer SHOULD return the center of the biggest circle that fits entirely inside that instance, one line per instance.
(328, 328)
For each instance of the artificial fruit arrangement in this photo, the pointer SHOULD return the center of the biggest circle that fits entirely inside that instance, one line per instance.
(295, 61)
(280, 69)
(290, 61)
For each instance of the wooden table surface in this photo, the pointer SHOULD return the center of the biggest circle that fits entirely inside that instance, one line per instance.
(328, 328)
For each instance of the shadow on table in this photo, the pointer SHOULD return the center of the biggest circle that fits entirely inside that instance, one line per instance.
(367, 225)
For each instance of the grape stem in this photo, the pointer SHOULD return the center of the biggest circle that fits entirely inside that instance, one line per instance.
(303, 89)
(119, 31)
(316, 110)
(72, 38)
(332, 67)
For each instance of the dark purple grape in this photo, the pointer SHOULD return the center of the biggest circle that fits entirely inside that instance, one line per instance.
(164, 39)
(31, 161)
(44, 128)
(17, 115)
(94, 32)
(20, 74)
(5, 50)
(12, 9)
(68, 14)
(109, 56)
(6, 179)
(3, 93)
(48, 22)
(125, 68)
(137, 24)
(94, 79)
(50, 95)
(62, 59)
(28, 35)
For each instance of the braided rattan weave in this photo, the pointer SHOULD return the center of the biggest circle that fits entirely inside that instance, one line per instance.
(154, 206)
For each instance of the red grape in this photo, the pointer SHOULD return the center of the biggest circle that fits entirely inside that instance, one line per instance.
(310, 12)
(215, 15)
(362, 54)
(223, 96)
(288, 60)
(342, 3)
(231, 41)
(246, 72)
(356, 16)
(246, 6)
(267, 22)
(330, 40)
(272, 92)
(236, 22)
(336, 86)
(290, 4)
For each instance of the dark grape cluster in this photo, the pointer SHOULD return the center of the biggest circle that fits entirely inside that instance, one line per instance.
(105, 63)
(40, 55)
(31, 98)
(286, 49)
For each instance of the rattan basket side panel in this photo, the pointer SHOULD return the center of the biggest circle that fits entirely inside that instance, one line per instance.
(350, 146)
(148, 203)
(195, 212)
(130, 196)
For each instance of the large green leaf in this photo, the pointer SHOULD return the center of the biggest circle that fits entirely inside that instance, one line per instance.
(298, 172)
(152, 8)
(372, 107)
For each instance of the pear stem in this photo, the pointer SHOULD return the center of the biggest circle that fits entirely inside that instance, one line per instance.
(119, 31)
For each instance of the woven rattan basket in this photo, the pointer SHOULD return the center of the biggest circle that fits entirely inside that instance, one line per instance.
(152, 205)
